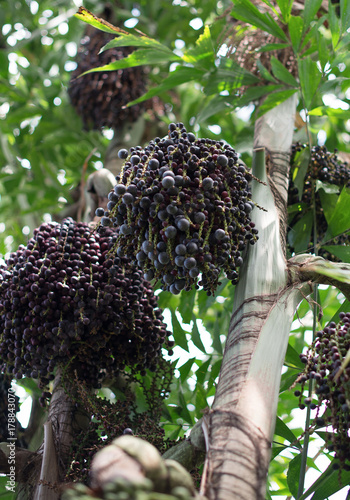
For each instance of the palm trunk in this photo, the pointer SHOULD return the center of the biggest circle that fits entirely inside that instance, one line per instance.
(241, 422)
(58, 437)
(65, 420)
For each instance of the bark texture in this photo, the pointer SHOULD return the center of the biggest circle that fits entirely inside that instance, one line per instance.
(64, 421)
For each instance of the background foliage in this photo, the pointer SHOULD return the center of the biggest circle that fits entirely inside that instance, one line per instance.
(44, 147)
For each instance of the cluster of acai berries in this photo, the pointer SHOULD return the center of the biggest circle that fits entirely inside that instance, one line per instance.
(64, 301)
(324, 365)
(182, 210)
(100, 98)
(323, 165)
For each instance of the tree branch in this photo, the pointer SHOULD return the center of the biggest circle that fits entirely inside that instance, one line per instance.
(191, 452)
(307, 267)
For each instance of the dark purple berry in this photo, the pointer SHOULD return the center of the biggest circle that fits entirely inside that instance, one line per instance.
(220, 234)
(199, 218)
(191, 137)
(168, 182)
(207, 184)
(128, 199)
(153, 164)
(123, 154)
(163, 258)
(182, 224)
(99, 212)
(170, 232)
(135, 160)
(180, 249)
(222, 160)
(190, 263)
(120, 189)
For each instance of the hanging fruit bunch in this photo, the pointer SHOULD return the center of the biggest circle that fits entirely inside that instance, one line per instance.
(324, 166)
(244, 43)
(65, 302)
(182, 208)
(323, 365)
(99, 97)
(327, 167)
